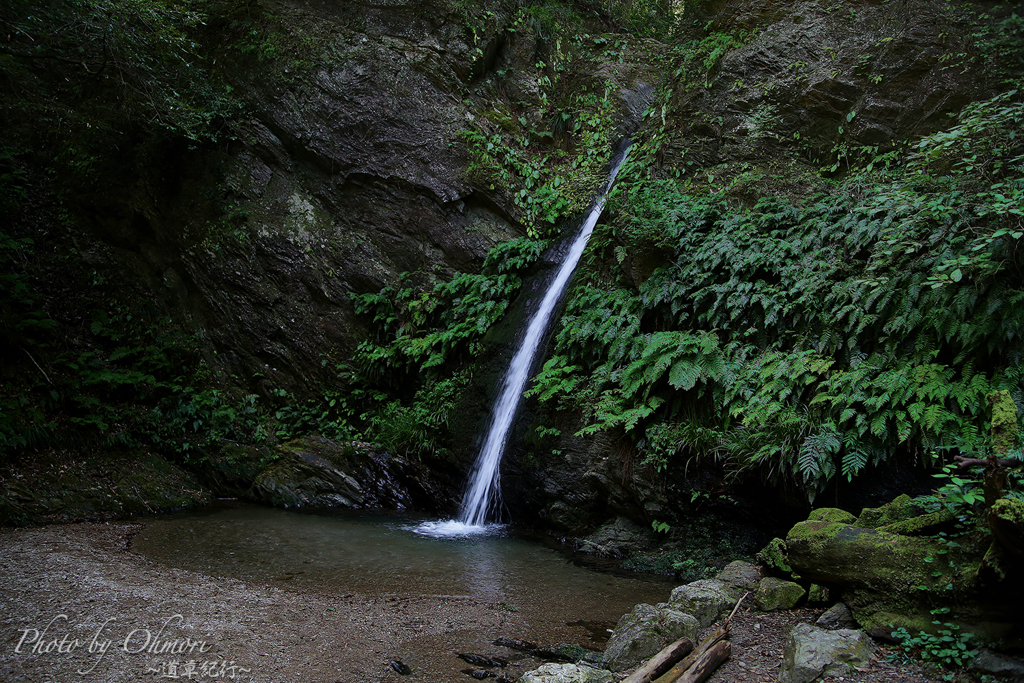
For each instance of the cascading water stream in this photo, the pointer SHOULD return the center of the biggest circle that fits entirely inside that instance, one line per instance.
(484, 481)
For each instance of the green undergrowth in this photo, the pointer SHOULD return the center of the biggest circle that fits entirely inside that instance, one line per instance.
(806, 338)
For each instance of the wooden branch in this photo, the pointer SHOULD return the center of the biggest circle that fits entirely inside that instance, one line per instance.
(661, 662)
(735, 608)
(706, 665)
(38, 367)
(982, 462)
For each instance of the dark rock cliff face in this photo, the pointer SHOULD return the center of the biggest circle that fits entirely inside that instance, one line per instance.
(350, 170)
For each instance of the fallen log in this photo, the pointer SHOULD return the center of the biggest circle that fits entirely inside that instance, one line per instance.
(661, 662)
(702, 657)
(708, 662)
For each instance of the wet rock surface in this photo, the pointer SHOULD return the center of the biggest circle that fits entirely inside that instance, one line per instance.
(318, 472)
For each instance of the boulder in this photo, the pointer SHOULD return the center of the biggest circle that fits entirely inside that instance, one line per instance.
(707, 600)
(837, 616)
(994, 663)
(642, 633)
(831, 515)
(812, 652)
(890, 581)
(567, 673)
(740, 576)
(318, 472)
(773, 593)
(617, 537)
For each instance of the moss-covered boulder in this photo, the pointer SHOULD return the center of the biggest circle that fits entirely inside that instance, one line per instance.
(889, 580)
(707, 600)
(773, 593)
(831, 515)
(643, 632)
(812, 652)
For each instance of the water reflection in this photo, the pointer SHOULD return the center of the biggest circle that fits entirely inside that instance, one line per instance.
(382, 555)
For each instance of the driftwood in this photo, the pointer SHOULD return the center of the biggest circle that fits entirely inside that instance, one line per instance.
(661, 662)
(975, 462)
(708, 655)
(708, 662)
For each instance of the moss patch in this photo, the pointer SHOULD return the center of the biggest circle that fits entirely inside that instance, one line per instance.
(831, 515)
(1005, 430)
(900, 509)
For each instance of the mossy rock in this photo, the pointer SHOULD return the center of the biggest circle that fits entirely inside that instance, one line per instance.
(706, 600)
(774, 556)
(773, 594)
(739, 577)
(922, 525)
(890, 580)
(900, 509)
(643, 633)
(1006, 519)
(831, 515)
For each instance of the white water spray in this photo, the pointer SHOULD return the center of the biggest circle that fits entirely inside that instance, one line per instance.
(484, 481)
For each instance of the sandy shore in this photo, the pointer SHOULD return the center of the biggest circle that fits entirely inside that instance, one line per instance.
(66, 590)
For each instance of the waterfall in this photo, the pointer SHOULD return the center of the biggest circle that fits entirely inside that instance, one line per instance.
(484, 482)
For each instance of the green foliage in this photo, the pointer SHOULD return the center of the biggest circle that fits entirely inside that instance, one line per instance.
(947, 646)
(95, 82)
(543, 180)
(415, 429)
(810, 341)
(190, 421)
(423, 329)
(335, 415)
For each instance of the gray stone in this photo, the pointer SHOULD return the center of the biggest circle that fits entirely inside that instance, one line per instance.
(318, 472)
(567, 673)
(740, 576)
(773, 594)
(837, 616)
(707, 600)
(990, 662)
(642, 633)
(812, 652)
(618, 536)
